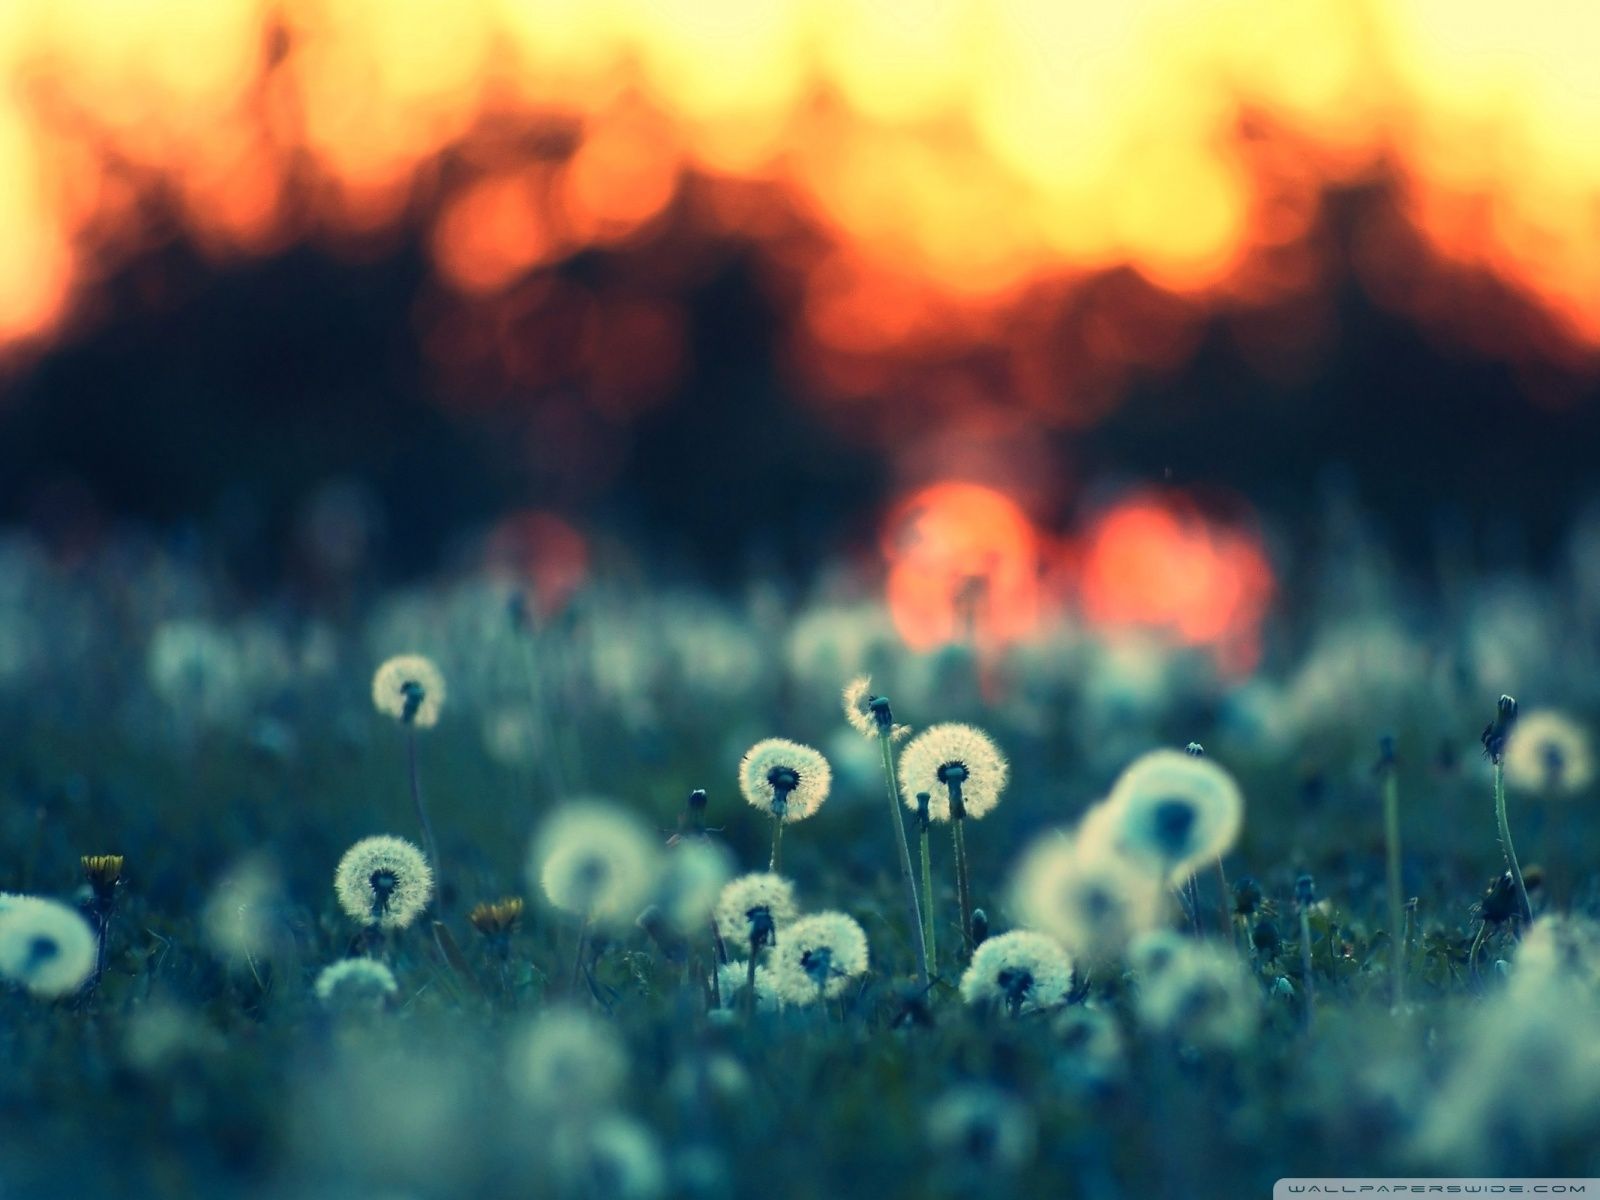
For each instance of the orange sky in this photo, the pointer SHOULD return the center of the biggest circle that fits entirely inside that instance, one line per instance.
(954, 154)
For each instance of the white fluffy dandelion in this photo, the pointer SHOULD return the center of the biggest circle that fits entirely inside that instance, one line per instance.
(1202, 999)
(45, 946)
(857, 698)
(692, 877)
(1024, 971)
(596, 861)
(241, 917)
(953, 762)
(784, 778)
(982, 1128)
(409, 688)
(1558, 948)
(1152, 954)
(734, 976)
(566, 1060)
(353, 984)
(1091, 901)
(1549, 753)
(615, 1157)
(753, 907)
(818, 957)
(383, 881)
(1174, 812)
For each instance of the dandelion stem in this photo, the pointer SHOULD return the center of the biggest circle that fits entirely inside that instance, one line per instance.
(1224, 912)
(921, 940)
(750, 977)
(549, 747)
(428, 843)
(958, 821)
(777, 845)
(577, 956)
(927, 892)
(1505, 839)
(1391, 828)
(1305, 962)
(1477, 945)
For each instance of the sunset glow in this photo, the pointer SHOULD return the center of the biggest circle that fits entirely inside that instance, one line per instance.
(966, 564)
(955, 157)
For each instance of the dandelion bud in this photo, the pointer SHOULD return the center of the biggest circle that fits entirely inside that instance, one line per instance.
(1498, 731)
(1195, 750)
(1246, 896)
(1386, 755)
(103, 872)
(1305, 891)
(980, 927)
(1266, 939)
(497, 920)
(355, 984)
(1500, 902)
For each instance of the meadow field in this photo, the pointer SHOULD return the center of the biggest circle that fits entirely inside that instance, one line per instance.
(540, 983)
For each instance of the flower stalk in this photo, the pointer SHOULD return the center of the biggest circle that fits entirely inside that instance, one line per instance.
(920, 941)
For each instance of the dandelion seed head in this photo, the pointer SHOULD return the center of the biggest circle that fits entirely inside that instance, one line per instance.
(45, 946)
(1090, 900)
(692, 877)
(963, 753)
(1021, 971)
(733, 977)
(751, 903)
(982, 1128)
(615, 1157)
(569, 1061)
(1202, 999)
(595, 860)
(409, 688)
(818, 957)
(785, 779)
(194, 667)
(1527, 1074)
(241, 917)
(860, 711)
(1549, 753)
(355, 984)
(383, 881)
(1091, 1054)
(1152, 954)
(1175, 812)
(508, 736)
(1559, 948)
